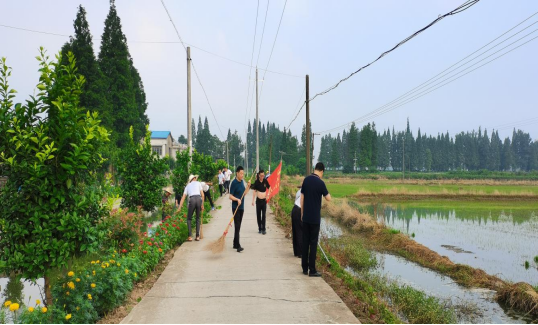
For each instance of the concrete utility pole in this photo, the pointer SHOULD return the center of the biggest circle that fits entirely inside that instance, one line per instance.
(189, 118)
(246, 151)
(308, 162)
(355, 163)
(257, 127)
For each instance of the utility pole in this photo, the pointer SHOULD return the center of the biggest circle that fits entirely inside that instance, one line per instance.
(189, 118)
(257, 127)
(355, 163)
(246, 151)
(308, 162)
(227, 155)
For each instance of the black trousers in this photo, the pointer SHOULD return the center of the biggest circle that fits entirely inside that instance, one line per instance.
(208, 197)
(227, 186)
(221, 189)
(310, 243)
(237, 225)
(297, 231)
(261, 209)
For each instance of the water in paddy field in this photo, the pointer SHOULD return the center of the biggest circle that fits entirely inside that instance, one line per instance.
(496, 241)
(21, 291)
(484, 308)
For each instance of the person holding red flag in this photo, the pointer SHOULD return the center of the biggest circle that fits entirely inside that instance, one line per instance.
(261, 185)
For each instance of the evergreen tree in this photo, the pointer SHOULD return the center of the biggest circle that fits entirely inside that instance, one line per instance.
(121, 93)
(92, 97)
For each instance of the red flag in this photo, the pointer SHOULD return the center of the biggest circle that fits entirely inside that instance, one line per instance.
(274, 181)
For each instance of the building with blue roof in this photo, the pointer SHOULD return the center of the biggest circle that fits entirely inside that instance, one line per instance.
(163, 143)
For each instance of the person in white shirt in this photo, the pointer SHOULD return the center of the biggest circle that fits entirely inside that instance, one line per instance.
(207, 194)
(221, 182)
(227, 176)
(196, 203)
(297, 226)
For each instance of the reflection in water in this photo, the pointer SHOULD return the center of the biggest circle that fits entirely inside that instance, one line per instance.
(497, 241)
(20, 291)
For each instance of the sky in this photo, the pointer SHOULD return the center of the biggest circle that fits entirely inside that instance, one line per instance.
(325, 39)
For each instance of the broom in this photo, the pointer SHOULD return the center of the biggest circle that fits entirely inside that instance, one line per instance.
(218, 245)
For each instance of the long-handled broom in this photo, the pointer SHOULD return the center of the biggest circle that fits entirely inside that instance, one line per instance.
(218, 245)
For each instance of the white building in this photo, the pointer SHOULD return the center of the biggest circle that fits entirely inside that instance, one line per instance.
(164, 145)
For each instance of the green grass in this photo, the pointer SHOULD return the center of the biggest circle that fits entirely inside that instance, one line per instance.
(371, 186)
(472, 175)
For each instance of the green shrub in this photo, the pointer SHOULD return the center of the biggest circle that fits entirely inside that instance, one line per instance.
(51, 203)
(142, 174)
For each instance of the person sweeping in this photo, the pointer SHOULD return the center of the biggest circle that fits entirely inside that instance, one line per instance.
(237, 193)
(196, 203)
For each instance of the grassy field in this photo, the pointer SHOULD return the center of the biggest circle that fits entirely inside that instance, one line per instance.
(347, 187)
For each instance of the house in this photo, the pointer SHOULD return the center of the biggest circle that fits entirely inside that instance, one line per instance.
(163, 143)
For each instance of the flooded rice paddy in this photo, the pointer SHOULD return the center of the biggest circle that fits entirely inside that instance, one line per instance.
(497, 240)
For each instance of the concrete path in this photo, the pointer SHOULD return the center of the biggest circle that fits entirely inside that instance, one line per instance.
(262, 284)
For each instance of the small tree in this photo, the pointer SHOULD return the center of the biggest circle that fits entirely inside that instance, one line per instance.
(142, 174)
(201, 165)
(50, 204)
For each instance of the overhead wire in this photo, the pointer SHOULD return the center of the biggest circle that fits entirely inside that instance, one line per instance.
(468, 4)
(194, 68)
(388, 108)
(429, 90)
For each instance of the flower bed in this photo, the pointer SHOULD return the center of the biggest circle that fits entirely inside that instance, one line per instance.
(85, 295)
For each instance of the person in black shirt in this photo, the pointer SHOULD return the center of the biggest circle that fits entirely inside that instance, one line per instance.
(260, 190)
(312, 190)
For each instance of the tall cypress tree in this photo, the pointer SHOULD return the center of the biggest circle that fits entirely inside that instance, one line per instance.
(121, 89)
(93, 96)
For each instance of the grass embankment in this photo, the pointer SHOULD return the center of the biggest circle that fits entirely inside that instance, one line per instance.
(520, 296)
(393, 190)
(458, 175)
(371, 298)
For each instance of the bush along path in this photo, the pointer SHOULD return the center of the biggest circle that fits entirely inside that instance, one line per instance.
(86, 294)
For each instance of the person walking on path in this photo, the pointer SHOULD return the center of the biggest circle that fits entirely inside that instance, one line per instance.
(196, 203)
(312, 190)
(207, 194)
(260, 195)
(221, 182)
(297, 226)
(237, 188)
(227, 176)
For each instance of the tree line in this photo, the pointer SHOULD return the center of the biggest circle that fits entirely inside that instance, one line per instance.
(368, 149)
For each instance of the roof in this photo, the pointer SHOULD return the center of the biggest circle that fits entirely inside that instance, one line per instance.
(160, 134)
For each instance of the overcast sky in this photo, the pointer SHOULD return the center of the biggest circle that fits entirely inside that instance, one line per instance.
(325, 39)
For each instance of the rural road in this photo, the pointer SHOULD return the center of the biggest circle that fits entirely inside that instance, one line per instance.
(262, 284)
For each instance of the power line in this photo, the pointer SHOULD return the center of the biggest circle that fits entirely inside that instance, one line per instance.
(517, 122)
(159, 42)
(468, 4)
(440, 75)
(263, 32)
(194, 68)
(459, 9)
(429, 91)
(273, 48)
(250, 74)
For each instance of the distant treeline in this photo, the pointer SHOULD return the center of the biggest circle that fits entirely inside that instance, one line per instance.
(367, 149)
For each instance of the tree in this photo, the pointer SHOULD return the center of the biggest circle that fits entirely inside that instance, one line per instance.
(181, 139)
(51, 203)
(93, 95)
(142, 174)
(124, 91)
(352, 148)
